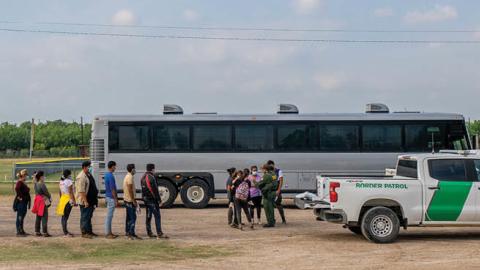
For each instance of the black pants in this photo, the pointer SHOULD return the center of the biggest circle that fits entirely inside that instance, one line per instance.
(257, 204)
(66, 214)
(232, 216)
(153, 210)
(239, 206)
(21, 213)
(86, 214)
(279, 206)
(43, 220)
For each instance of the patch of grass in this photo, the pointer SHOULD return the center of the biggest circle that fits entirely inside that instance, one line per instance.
(103, 251)
(7, 189)
(6, 166)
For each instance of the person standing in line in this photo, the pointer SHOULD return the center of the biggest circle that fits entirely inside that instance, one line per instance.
(278, 195)
(255, 194)
(268, 188)
(152, 200)
(67, 200)
(87, 197)
(232, 217)
(242, 197)
(129, 192)
(110, 198)
(42, 202)
(22, 202)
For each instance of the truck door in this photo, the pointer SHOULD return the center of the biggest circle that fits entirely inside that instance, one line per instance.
(451, 191)
(476, 171)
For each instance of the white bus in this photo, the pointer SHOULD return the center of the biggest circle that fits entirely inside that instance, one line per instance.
(192, 152)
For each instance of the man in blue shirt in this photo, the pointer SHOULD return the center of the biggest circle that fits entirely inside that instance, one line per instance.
(110, 198)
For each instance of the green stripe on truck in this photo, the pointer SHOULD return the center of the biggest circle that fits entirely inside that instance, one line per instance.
(447, 202)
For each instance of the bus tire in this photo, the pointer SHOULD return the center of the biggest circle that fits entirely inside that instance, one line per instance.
(169, 192)
(380, 225)
(194, 194)
(355, 229)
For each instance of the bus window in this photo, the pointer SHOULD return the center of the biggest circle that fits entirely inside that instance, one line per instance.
(212, 137)
(254, 137)
(457, 137)
(339, 138)
(129, 138)
(293, 137)
(382, 138)
(419, 139)
(171, 138)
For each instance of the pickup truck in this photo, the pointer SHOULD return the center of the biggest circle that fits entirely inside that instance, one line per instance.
(440, 189)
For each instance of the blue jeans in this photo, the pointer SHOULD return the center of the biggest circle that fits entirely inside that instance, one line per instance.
(108, 219)
(86, 214)
(21, 213)
(153, 209)
(131, 218)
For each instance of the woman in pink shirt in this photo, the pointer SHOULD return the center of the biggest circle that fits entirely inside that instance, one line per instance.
(255, 193)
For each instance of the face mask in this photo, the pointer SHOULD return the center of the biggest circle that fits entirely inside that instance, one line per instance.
(90, 170)
(254, 173)
(133, 172)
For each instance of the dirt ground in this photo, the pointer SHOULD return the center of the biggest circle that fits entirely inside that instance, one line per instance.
(303, 243)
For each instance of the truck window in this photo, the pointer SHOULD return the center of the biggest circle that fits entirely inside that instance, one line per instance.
(407, 168)
(477, 168)
(448, 169)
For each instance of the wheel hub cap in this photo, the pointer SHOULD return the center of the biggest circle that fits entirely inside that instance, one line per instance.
(164, 193)
(195, 194)
(381, 226)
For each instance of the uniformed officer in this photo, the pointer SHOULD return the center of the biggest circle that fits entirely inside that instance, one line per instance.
(278, 193)
(268, 187)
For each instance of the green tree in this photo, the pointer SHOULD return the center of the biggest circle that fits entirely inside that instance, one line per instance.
(474, 127)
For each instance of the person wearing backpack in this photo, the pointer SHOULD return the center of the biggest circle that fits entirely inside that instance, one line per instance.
(152, 200)
(242, 197)
(67, 200)
(22, 202)
(43, 200)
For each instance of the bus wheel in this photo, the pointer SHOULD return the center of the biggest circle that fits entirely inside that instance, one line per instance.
(168, 192)
(194, 194)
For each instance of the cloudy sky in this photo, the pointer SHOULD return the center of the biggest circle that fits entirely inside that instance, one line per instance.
(58, 76)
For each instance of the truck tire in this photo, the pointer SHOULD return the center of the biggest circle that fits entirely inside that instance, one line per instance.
(194, 194)
(168, 192)
(355, 229)
(380, 225)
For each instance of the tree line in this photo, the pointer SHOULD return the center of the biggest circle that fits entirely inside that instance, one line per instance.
(52, 138)
(474, 127)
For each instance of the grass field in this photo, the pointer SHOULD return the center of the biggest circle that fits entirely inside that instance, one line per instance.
(6, 166)
(102, 251)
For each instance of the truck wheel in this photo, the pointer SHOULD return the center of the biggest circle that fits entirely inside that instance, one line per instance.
(380, 225)
(168, 192)
(355, 229)
(194, 194)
